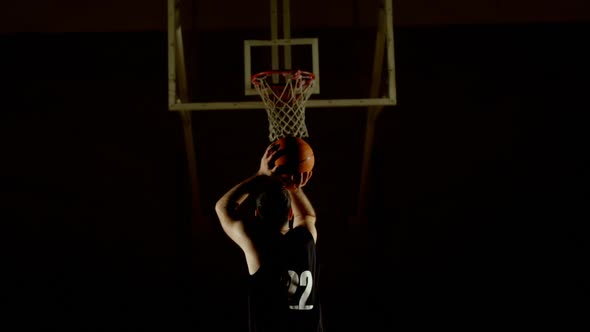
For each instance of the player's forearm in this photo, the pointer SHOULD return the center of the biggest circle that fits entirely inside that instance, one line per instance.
(234, 197)
(229, 202)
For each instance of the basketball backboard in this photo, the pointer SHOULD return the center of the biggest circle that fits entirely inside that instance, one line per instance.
(215, 47)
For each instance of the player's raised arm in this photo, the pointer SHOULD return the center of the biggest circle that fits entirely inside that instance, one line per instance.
(228, 206)
(227, 209)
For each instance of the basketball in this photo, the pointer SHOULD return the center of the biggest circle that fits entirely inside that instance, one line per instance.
(293, 155)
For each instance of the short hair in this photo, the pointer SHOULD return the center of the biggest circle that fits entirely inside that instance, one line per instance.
(273, 205)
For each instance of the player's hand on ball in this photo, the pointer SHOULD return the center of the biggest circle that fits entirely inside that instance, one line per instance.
(267, 166)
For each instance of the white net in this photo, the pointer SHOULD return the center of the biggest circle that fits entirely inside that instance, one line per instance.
(285, 101)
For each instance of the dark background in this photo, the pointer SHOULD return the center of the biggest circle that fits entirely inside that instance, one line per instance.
(477, 203)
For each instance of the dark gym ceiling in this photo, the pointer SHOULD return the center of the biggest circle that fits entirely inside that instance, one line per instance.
(150, 15)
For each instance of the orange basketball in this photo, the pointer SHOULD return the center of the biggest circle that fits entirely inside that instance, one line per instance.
(293, 155)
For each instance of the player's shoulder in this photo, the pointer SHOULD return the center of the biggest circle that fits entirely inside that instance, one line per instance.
(308, 222)
(304, 233)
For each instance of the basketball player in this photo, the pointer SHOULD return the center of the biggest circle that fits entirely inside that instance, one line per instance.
(279, 244)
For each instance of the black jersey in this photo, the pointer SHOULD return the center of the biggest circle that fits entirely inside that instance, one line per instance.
(284, 292)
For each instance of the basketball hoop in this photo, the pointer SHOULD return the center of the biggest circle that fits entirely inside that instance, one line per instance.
(284, 94)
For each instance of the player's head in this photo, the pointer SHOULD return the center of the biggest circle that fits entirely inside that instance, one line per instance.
(273, 206)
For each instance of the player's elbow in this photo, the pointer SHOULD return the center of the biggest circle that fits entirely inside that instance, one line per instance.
(226, 211)
(221, 207)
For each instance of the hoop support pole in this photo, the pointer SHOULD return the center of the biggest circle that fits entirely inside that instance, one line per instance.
(390, 51)
(178, 80)
(372, 115)
(274, 35)
(287, 33)
(172, 52)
